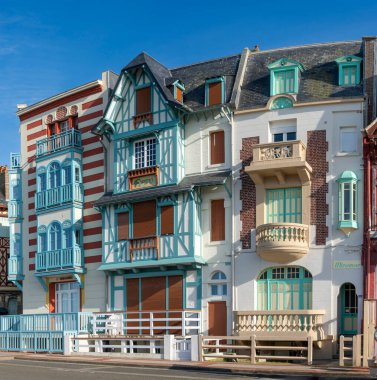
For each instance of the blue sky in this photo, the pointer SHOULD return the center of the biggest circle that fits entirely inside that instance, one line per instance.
(47, 47)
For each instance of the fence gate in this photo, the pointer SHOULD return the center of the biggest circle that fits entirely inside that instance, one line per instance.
(182, 349)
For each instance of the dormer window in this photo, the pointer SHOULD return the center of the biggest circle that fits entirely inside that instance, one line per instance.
(179, 88)
(215, 91)
(284, 76)
(349, 70)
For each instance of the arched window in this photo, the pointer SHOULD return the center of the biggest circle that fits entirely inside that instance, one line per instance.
(285, 288)
(218, 284)
(55, 236)
(348, 202)
(67, 234)
(54, 179)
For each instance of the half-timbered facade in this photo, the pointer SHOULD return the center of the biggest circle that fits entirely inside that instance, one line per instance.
(167, 208)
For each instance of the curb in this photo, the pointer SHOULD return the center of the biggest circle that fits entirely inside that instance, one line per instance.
(322, 373)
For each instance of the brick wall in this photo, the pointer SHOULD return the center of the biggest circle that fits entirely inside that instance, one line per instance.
(316, 157)
(247, 193)
(370, 77)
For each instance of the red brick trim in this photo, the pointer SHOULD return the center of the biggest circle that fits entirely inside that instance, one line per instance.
(93, 259)
(90, 116)
(32, 254)
(32, 218)
(247, 193)
(31, 170)
(93, 245)
(32, 230)
(62, 101)
(34, 124)
(32, 147)
(317, 147)
(94, 164)
(93, 177)
(88, 128)
(93, 231)
(36, 135)
(32, 242)
(32, 182)
(92, 152)
(90, 140)
(94, 190)
(92, 218)
(93, 103)
(31, 267)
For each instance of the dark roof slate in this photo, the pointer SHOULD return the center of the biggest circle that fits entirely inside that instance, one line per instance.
(188, 182)
(318, 81)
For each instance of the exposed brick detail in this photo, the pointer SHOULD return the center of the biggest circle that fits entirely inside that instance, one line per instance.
(369, 75)
(34, 124)
(94, 190)
(316, 157)
(93, 103)
(92, 218)
(36, 135)
(93, 245)
(90, 116)
(92, 152)
(93, 259)
(94, 164)
(61, 113)
(93, 231)
(93, 177)
(31, 267)
(247, 193)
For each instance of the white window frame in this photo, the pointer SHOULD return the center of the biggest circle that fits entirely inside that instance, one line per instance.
(145, 159)
(342, 131)
(284, 129)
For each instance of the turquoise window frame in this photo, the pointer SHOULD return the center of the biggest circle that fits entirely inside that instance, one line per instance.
(284, 205)
(58, 236)
(54, 171)
(286, 286)
(348, 61)
(284, 66)
(180, 85)
(348, 178)
(215, 80)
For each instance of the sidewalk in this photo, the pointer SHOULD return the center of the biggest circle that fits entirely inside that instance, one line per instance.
(321, 369)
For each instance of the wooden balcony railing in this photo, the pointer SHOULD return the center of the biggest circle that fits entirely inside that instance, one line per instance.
(145, 248)
(280, 323)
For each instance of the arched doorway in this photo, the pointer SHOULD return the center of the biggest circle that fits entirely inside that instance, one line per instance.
(285, 288)
(348, 309)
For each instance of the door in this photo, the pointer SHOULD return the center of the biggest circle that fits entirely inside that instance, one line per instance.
(217, 318)
(348, 309)
(67, 295)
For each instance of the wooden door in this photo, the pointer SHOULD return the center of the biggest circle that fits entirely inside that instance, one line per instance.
(217, 319)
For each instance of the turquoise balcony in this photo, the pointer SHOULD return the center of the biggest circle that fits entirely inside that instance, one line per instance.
(15, 161)
(15, 268)
(60, 259)
(64, 140)
(59, 196)
(15, 209)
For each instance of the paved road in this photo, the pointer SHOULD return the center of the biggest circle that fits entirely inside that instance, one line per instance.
(34, 370)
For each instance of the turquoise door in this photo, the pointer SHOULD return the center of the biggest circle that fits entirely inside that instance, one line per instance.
(284, 205)
(348, 309)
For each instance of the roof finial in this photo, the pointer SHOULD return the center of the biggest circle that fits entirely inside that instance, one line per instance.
(256, 48)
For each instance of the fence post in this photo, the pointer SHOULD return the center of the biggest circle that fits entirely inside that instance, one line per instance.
(358, 351)
(354, 350)
(252, 350)
(365, 347)
(169, 351)
(310, 350)
(151, 324)
(67, 349)
(195, 348)
(183, 323)
(341, 351)
(200, 347)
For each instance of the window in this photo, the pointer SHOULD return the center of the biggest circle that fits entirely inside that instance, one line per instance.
(215, 91)
(55, 235)
(217, 220)
(145, 153)
(349, 70)
(67, 174)
(284, 205)
(348, 140)
(218, 284)
(348, 202)
(167, 220)
(284, 288)
(123, 226)
(217, 147)
(67, 297)
(64, 126)
(144, 219)
(54, 175)
(178, 90)
(283, 132)
(143, 100)
(284, 76)
(67, 237)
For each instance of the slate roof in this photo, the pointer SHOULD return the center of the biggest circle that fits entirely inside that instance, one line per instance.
(192, 76)
(318, 81)
(188, 182)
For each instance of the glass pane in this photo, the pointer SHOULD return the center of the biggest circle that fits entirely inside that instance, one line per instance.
(278, 137)
(151, 152)
(139, 154)
(64, 126)
(348, 140)
(225, 291)
(214, 290)
(346, 201)
(290, 81)
(291, 136)
(354, 201)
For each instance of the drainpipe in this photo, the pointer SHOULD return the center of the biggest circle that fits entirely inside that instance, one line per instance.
(233, 293)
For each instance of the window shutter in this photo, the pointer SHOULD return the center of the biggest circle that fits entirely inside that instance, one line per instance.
(132, 294)
(167, 220)
(179, 94)
(51, 293)
(144, 219)
(217, 220)
(215, 93)
(143, 100)
(217, 147)
(123, 226)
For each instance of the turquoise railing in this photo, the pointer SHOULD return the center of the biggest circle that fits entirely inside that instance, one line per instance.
(41, 332)
(59, 195)
(15, 267)
(70, 138)
(15, 209)
(15, 160)
(59, 259)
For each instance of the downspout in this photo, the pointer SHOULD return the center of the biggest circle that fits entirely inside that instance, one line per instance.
(233, 300)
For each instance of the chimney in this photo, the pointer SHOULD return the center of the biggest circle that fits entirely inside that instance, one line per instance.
(370, 76)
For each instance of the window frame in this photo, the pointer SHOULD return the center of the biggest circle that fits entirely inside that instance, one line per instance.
(348, 61)
(207, 85)
(347, 224)
(178, 85)
(141, 88)
(341, 131)
(220, 284)
(211, 158)
(145, 153)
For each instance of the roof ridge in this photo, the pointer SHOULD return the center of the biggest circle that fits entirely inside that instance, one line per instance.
(205, 61)
(305, 45)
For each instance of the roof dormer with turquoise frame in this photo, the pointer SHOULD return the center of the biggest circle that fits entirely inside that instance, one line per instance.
(143, 111)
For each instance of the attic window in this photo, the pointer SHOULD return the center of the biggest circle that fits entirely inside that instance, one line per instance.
(179, 88)
(284, 76)
(143, 100)
(215, 91)
(349, 70)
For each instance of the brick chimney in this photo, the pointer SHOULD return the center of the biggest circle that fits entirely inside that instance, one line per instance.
(370, 76)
